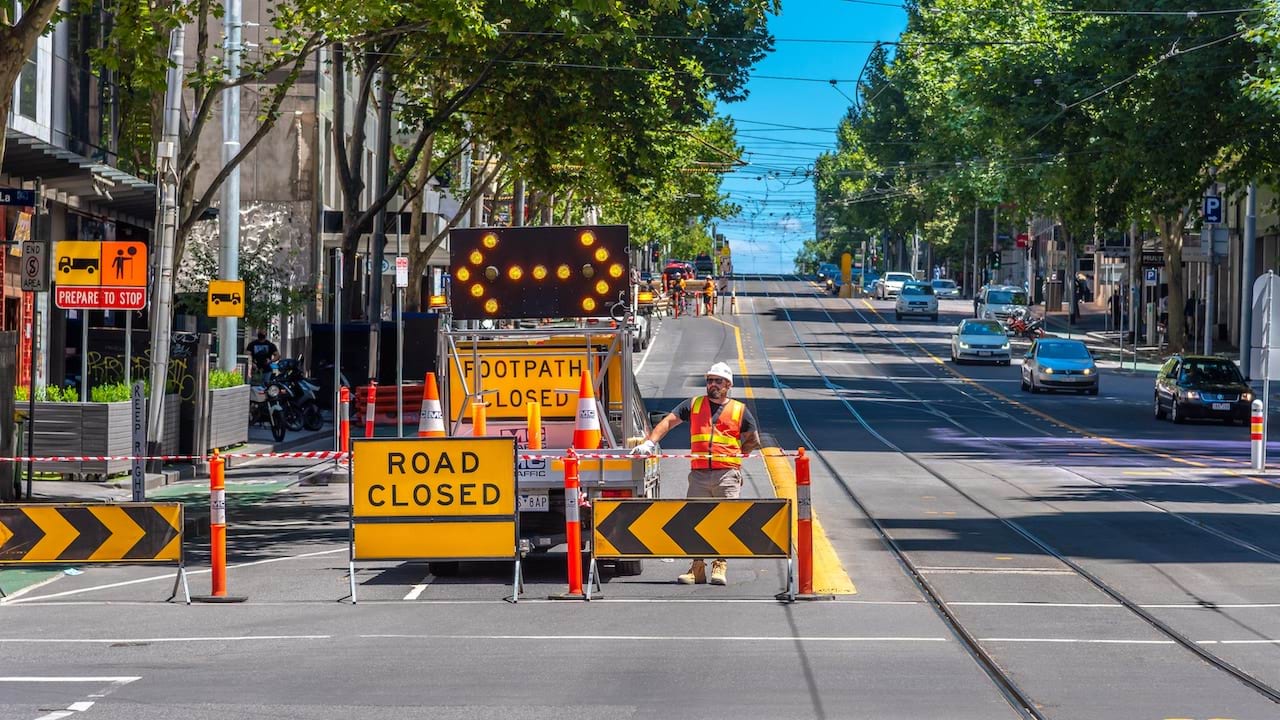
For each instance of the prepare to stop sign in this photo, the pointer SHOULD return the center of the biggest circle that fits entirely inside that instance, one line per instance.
(109, 275)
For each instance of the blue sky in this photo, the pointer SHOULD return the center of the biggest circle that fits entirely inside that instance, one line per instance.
(774, 192)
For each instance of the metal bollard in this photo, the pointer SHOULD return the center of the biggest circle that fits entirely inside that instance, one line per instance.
(804, 524)
(370, 405)
(1257, 436)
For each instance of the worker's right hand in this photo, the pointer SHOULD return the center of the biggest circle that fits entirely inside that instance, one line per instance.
(644, 449)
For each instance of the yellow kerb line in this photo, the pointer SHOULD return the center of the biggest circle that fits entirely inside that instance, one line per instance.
(742, 357)
(829, 575)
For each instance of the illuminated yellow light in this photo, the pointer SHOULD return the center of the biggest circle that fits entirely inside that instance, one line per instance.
(490, 241)
(514, 272)
(475, 257)
(436, 301)
(477, 290)
(645, 296)
(562, 272)
(539, 272)
(602, 254)
(588, 304)
(615, 270)
(602, 287)
(491, 306)
(588, 271)
(462, 274)
(587, 238)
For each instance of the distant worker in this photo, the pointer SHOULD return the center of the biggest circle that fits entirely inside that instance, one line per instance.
(709, 295)
(721, 431)
(263, 352)
(682, 293)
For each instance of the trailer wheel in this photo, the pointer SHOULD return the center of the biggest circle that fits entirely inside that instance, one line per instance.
(628, 568)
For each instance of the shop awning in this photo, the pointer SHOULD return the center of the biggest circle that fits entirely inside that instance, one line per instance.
(97, 186)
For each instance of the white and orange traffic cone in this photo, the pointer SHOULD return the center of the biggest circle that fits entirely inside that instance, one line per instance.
(586, 428)
(431, 418)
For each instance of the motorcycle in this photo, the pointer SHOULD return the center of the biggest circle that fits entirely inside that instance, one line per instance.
(303, 408)
(1021, 325)
(267, 406)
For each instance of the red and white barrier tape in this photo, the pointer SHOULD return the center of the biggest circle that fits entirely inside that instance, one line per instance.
(336, 454)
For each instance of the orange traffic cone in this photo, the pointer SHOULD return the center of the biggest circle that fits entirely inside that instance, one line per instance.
(431, 419)
(586, 429)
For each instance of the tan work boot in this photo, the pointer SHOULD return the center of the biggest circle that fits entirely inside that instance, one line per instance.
(719, 572)
(697, 574)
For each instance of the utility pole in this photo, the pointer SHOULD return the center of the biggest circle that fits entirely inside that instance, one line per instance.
(162, 297)
(1246, 277)
(379, 236)
(1210, 288)
(229, 213)
(517, 204)
(995, 235)
(973, 290)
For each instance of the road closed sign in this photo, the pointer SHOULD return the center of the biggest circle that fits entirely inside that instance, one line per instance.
(434, 499)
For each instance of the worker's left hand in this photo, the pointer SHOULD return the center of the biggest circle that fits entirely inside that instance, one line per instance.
(644, 449)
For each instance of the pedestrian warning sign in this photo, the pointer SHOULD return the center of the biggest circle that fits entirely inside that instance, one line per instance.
(434, 499)
(124, 264)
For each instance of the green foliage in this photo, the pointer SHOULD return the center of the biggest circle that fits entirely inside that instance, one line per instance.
(114, 392)
(47, 393)
(224, 379)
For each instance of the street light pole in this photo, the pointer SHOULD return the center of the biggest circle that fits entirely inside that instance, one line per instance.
(229, 215)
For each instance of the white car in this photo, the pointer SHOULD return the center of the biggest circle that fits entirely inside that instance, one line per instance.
(980, 341)
(945, 288)
(998, 302)
(916, 299)
(891, 284)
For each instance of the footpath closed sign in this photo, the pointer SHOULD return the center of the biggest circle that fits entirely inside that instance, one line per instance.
(512, 379)
(434, 499)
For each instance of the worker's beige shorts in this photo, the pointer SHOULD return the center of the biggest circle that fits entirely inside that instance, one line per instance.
(723, 482)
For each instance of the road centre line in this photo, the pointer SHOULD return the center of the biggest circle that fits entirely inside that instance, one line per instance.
(168, 576)
(742, 357)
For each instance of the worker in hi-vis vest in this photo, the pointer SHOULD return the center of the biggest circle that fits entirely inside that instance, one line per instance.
(721, 432)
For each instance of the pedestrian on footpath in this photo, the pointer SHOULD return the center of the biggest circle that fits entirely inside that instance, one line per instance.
(1189, 312)
(721, 430)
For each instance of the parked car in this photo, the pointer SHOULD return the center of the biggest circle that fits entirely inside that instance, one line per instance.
(998, 302)
(981, 341)
(945, 288)
(916, 298)
(1200, 386)
(891, 284)
(1059, 364)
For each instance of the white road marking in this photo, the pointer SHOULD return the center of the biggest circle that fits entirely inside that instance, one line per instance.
(167, 576)
(661, 638)
(57, 715)
(113, 641)
(975, 603)
(645, 356)
(80, 706)
(1238, 642)
(418, 589)
(119, 680)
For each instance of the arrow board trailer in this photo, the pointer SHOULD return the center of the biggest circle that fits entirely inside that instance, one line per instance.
(509, 369)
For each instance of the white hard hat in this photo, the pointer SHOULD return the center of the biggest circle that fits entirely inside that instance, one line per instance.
(721, 370)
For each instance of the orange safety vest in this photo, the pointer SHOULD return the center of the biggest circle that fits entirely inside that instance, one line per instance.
(721, 441)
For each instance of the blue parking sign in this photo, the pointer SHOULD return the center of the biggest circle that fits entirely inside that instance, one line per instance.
(1213, 208)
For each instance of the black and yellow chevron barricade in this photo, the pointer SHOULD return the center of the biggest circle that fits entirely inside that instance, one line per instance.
(76, 534)
(693, 528)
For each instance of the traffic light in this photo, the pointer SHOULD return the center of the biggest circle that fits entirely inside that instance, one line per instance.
(995, 260)
(655, 253)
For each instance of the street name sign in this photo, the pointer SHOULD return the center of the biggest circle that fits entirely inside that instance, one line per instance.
(17, 196)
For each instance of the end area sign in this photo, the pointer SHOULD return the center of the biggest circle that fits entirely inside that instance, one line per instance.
(434, 499)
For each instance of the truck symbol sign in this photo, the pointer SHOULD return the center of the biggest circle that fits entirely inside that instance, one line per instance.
(67, 264)
(231, 297)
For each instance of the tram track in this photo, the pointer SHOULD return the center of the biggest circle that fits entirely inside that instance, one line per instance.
(1018, 699)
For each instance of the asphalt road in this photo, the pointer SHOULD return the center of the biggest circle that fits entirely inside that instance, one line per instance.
(1049, 525)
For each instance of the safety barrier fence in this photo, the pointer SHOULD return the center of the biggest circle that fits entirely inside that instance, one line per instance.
(337, 454)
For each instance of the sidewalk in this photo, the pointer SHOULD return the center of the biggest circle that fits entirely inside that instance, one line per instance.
(1091, 326)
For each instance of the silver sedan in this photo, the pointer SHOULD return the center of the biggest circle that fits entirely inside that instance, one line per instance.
(980, 341)
(1059, 364)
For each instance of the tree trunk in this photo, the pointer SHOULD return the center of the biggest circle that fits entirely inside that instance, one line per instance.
(1170, 229)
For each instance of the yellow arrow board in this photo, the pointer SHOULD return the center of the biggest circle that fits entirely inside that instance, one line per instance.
(124, 532)
(226, 298)
(434, 499)
(696, 528)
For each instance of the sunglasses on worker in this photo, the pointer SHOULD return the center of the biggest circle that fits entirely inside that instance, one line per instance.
(717, 381)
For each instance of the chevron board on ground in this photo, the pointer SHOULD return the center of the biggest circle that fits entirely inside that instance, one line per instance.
(434, 499)
(123, 532)
(694, 528)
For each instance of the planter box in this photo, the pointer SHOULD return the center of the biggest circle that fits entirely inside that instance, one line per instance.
(94, 429)
(228, 416)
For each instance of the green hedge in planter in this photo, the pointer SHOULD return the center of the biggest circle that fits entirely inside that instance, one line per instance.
(219, 379)
(51, 393)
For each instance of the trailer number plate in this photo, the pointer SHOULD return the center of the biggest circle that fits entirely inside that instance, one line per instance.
(534, 502)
